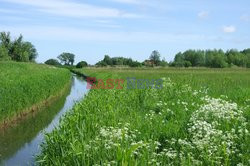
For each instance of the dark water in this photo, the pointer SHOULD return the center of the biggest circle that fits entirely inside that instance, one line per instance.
(20, 143)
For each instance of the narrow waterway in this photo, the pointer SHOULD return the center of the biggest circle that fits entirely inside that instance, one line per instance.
(20, 143)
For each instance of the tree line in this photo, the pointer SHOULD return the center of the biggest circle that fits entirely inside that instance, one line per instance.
(66, 59)
(23, 51)
(17, 49)
(118, 61)
(212, 58)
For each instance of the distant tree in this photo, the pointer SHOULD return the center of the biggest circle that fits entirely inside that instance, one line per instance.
(219, 62)
(236, 58)
(196, 58)
(101, 64)
(187, 64)
(67, 58)
(248, 61)
(118, 61)
(82, 64)
(32, 51)
(5, 41)
(163, 63)
(215, 59)
(155, 56)
(135, 64)
(23, 51)
(246, 53)
(53, 62)
(107, 60)
(178, 60)
(4, 54)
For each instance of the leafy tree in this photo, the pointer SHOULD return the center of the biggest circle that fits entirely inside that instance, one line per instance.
(5, 41)
(101, 64)
(215, 59)
(118, 61)
(248, 61)
(23, 51)
(82, 64)
(155, 56)
(29, 47)
(196, 58)
(163, 63)
(219, 62)
(67, 58)
(187, 64)
(17, 50)
(53, 62)
(246, 53)
(107, 60)
(135, 64)
(236, 58)
(4, 54)
(178, 60)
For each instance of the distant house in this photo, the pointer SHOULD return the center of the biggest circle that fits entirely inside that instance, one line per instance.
(149, 63)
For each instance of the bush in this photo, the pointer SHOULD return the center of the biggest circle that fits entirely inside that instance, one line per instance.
(135, 64)
(81, 64)
(52, 62)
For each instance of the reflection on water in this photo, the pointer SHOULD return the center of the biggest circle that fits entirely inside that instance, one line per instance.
(20, 143)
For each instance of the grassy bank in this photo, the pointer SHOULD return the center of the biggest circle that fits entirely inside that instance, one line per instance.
(24, 85)
(199, 117)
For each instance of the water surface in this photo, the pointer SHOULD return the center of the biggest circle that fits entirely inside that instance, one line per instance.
(20, 143)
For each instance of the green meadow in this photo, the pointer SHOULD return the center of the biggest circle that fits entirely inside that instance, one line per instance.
(25, 86)
(198, 117)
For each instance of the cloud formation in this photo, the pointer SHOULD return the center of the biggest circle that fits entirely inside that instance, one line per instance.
(229, 29)
(73, 9)
(245, 17)
(203, 14)
(128, 1)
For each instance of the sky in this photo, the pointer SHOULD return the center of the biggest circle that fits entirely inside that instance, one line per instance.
(91, 29)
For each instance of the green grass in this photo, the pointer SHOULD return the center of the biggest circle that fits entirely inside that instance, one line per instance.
(200, 117)
(23, 85)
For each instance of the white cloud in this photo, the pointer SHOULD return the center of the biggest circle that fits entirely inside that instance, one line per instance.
(127, 1)
(9, 11)
(229, 29)
(245, 17)
(203, 14)
(144, 4)
(53, 33)
(73, 9)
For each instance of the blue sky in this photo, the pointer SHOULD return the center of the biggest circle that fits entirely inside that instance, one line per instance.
(129, 28)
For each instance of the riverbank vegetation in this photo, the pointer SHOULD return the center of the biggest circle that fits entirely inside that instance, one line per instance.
(199, 117)
(24, 85)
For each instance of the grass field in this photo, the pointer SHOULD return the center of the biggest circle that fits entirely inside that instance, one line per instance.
(199, 117)
(23, 85)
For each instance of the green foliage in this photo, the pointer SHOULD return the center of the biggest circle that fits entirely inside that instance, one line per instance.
(212, 58)
(17, 50)
(118, 61)
(82, 64)
(200, 117)
(163, 63)
(155, 57)
(67, 58)
(53, 62)
(236, 58)
(4, 54)
(24, 84)
(135, 64)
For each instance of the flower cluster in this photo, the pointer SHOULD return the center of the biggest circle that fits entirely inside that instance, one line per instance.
(216, 128)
